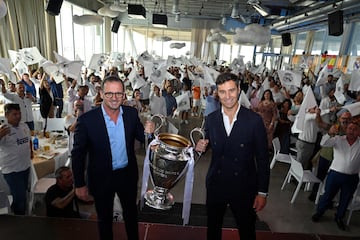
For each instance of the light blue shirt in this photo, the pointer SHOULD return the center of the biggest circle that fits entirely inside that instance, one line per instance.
(117, 140)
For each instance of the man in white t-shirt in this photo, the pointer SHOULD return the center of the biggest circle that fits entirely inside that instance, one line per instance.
(15, 155)
(24, 100)
(305, 143)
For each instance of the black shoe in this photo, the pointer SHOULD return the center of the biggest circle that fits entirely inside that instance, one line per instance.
(340, 223)
(316, 217)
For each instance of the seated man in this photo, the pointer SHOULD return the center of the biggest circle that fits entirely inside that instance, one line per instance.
(60, 198)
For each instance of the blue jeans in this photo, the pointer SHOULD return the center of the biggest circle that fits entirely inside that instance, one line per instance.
(18, 184)
(336, 181)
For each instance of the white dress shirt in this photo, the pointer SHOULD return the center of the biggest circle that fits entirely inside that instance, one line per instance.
(228, 126)
(346, 157)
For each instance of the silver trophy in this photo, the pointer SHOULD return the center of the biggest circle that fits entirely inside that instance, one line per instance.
(168, 162)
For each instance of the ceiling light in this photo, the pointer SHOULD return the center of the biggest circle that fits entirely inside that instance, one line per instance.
(136, 11)
(159, 20)
(335, 6)
(261, 10)
(117, 6)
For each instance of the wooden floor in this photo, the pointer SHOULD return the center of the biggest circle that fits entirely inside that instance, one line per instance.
(42, 228)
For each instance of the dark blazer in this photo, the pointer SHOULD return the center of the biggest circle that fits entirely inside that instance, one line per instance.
(240, 162)
(91, 139)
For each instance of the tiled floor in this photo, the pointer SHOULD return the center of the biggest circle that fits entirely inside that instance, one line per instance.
(279, 214)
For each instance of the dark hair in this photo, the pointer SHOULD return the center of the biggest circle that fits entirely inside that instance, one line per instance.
(112, 78)
(227, 76)
(271, 95)
(287, 101)
(11, 106)
(136, 90)
(60, 170)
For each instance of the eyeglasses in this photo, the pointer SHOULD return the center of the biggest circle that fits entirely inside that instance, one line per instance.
(111, 94)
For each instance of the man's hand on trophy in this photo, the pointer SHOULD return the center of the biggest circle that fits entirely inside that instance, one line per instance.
(149, 127)
(201, 145)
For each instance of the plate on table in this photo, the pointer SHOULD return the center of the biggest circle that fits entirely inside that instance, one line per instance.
(47, 155)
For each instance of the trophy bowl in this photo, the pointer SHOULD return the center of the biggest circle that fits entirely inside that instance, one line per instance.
(168, 162)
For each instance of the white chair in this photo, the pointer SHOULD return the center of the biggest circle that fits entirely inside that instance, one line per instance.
(5, 203)
(55, 124)
(280, 157)
(302, 176)
(38, 186)
(354, 204)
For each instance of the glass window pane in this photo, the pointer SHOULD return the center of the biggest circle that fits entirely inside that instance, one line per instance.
(300, 43)
(332, 44)
(355, 41)
(318, 42)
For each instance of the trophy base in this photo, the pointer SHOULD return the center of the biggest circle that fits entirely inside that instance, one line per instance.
(159, 201)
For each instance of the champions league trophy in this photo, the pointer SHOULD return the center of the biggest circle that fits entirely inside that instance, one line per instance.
(168, 158)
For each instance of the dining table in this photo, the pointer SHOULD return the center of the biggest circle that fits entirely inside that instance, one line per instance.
(52, 154)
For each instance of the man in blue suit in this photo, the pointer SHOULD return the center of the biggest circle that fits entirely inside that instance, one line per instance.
(104, 144)
(239, 173)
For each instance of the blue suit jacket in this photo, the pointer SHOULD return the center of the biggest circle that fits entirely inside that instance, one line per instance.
(239, 167)
(91, 141)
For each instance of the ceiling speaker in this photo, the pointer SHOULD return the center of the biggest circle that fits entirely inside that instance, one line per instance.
(336, 23)
(159, 20)
(53, 7)
(136, 11)
(286, 39)
(115, 26)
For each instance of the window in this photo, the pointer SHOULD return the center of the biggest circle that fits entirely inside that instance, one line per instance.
(319, 37)
(332, 44)
(355, 41)
(300, 43)
(77, 40)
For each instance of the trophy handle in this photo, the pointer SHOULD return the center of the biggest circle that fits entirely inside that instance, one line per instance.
(156, 131)
(162, 119)
(201, 132)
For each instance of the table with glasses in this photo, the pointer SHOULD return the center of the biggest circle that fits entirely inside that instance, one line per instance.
(52, 154)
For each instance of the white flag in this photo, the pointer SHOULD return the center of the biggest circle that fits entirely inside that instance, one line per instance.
(308, 102)
(98, 60)
(290, 78)
(354, 108)
(72, 69)
(355, 81)
(244, 101)
(183, 102)
(210, 75)
(323, 74)
(21, 68)
(339, 91)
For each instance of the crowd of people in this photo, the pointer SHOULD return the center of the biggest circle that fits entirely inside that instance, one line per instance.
(113, 118)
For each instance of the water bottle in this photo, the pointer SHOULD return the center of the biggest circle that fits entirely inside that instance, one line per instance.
(36, 143)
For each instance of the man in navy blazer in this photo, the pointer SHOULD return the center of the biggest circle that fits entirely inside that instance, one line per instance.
(239, 171)
(104, 146)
